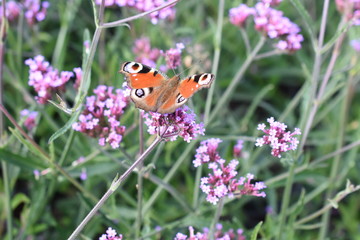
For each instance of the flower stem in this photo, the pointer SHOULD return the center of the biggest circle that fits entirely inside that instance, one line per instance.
(215, 66)
(116, 183)
(286, 200)
(132, 18)
(216, 218)
(226, 95)
(140, 180)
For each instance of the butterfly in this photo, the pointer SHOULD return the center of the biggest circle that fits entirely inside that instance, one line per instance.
(153, 91)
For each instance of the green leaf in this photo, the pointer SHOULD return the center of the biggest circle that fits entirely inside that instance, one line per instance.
(256, 231)
(83, 89)
(65, 128)
(306, 17)
(23, 162)
(336, 36)
(18, 199)
(29, 145)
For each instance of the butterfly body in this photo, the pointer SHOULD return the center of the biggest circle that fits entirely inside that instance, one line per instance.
(153, 91)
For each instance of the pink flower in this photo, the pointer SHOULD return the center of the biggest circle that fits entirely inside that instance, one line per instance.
(144, 6)
(181, 123)
(272, 3)
(35, 12)
(207, 152)
(12, 10)
(237, 150)
(355, 44)
(240, 14)
(270, 22)
(101, 117)
(45, 79)
(173, 56)
(110, 235)
(30, 118)
(277, 137)
(249, 188)
(351, 8)
(144, 53)
(222, 181)
(218, 235)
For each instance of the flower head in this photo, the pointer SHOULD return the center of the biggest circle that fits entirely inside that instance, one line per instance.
(249, 188)
(355, 44)
(351, 9)
(101, 116)
(13, 10)
(237, 150)
(110, 235)
(144, 6)
(35, 11)
(173, 56)
(240, 14)
(180, 123)
(45, 79)
(277, 137)
(144, 53)
(270, 22)
(207, 152)
(218, 235)
(30, 118)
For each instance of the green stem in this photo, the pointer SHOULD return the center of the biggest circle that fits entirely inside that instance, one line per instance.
(335, 164)
(116, 183)
(215, 66)
(216, 218)
(286, 200)
(7, 199)
(140, 181)
(232, 86)
(310, 112)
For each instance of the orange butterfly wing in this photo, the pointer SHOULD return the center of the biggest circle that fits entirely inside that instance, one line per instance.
(141, 76)
(192, 84)
(185, 89)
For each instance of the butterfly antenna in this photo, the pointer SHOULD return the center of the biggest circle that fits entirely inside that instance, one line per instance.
(191, 66)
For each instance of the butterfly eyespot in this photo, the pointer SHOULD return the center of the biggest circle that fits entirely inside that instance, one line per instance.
(180, 99)
(133, 67)
(140, 93)
(205, 79)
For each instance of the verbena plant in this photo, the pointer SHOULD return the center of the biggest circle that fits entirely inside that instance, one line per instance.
(270, 151)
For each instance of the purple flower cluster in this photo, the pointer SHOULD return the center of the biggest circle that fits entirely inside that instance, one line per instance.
(13, 10)
(144, 53)
(351, 8)
(30, 118)
(144, 6)
(237, 150)
(277, 137)
(355, 44)
(180, 123)
(270, 22)
(173, 56)
(35, 11)
(46, 80)
(222, 181)
(218, 235)
(101, 116)
(147, 55)
(110, 235)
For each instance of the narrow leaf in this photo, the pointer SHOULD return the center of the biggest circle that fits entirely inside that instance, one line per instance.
(256, 231)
